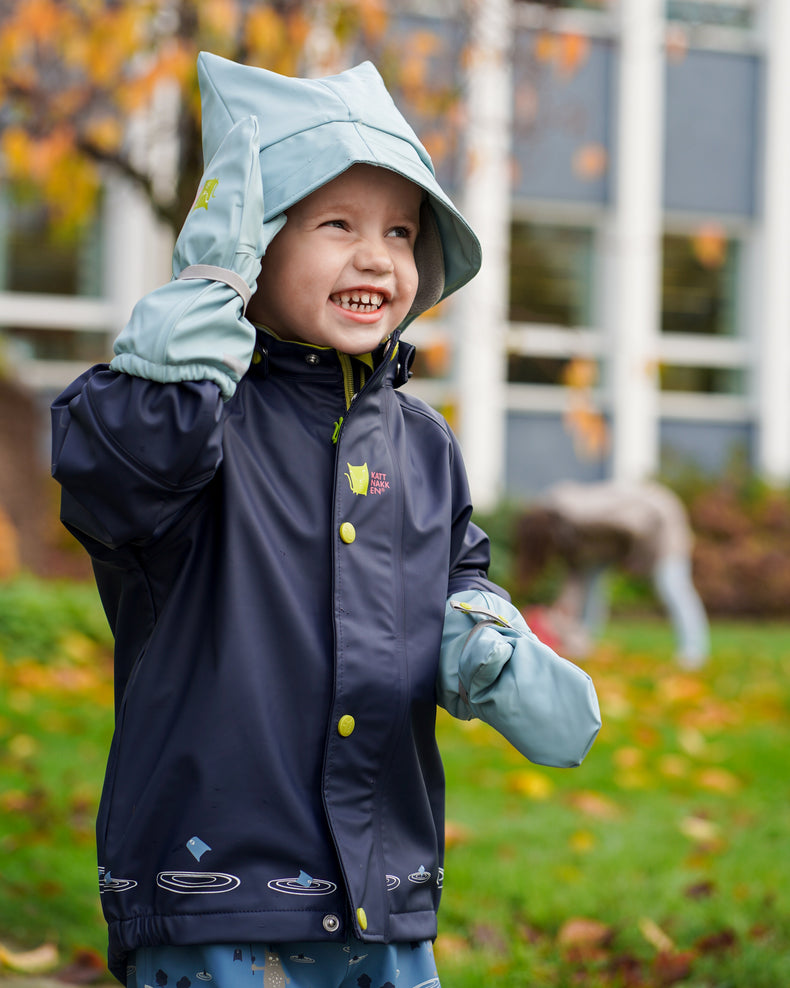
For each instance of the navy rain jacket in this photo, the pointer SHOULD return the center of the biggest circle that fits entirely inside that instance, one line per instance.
(277, 600)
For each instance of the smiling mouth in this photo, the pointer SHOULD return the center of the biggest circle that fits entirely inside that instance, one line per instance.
(359, 301)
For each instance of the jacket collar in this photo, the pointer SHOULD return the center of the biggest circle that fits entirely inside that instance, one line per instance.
(391, 361)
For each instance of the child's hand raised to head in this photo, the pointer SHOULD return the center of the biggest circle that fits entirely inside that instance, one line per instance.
(193, 328)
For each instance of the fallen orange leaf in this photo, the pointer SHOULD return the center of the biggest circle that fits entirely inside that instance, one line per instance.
(535, 785)
(629, 758)
(584, 938)
(718, 779)
(699, 890)
(449, 946)
(86, 967)
(594, 804)
(679, 688)
(669, 968)
(455, 834)
(715, 943)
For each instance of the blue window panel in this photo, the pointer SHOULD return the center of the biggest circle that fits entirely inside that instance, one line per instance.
(558, 113)
(712, 124)
(709, 447)
(428, 111)
(540, 453)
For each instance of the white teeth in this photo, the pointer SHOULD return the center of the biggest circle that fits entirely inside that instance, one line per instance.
(359, 301)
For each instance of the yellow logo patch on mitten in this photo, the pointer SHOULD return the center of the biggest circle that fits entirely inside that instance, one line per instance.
(206, 193)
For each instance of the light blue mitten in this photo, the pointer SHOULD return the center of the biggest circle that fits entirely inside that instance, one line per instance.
(194, 328)
(493, 667)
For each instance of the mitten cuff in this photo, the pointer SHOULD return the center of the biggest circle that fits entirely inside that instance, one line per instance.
(211, 272)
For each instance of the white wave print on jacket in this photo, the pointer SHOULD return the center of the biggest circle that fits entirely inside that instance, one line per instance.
(420, 876)
(303, 885)
(108, 883)
(194, 882)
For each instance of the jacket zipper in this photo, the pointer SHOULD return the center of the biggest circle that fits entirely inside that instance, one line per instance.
(347, 367)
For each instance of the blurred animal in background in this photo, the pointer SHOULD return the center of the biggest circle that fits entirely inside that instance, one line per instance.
(592, 528)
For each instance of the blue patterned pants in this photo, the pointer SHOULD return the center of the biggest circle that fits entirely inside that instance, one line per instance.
(352, 964)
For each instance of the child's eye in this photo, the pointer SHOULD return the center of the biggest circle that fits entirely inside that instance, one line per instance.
(340, 224)
(400, 231)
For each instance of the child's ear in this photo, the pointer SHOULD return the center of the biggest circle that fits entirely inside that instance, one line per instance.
(429, 260)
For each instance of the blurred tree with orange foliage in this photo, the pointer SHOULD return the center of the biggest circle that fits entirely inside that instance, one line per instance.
(93, 85)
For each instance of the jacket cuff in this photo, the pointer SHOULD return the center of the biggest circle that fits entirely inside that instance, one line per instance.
(224, 375)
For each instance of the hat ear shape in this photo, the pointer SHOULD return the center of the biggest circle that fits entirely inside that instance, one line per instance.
(429, 260)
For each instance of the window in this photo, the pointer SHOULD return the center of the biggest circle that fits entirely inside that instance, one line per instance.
(699, 284)
(42, 343)
(699, 297)
(37, 258)
(703, 380)
(523, 369)
(572, 4)
(550, 274)
(716, 13)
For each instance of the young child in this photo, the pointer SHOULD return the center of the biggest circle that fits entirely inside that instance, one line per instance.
(283, 546)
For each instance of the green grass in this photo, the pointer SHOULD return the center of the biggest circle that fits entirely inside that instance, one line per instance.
(55, 724)
(662, 860)
(677, 821)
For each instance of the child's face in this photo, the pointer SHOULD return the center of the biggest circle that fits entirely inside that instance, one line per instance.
(341, 272)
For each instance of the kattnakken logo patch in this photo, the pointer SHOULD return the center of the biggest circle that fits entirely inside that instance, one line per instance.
(363, 481)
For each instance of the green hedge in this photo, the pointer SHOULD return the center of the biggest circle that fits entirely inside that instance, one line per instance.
(36, 615)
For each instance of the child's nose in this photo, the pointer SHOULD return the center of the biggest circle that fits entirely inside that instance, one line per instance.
(374, 255)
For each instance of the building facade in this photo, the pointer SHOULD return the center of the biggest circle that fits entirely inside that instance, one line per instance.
(625, 164)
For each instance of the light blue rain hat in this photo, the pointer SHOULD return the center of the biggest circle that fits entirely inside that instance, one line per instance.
(312, 130)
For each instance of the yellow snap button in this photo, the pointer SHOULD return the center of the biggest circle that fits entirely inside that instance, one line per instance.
(256, 357)
(345, 726)
(347, 532)
(362, 919)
